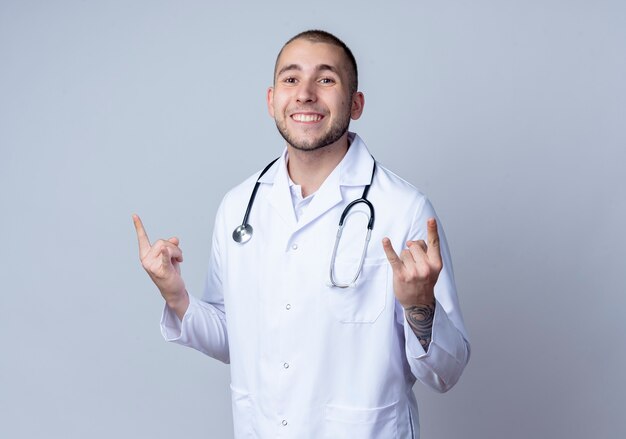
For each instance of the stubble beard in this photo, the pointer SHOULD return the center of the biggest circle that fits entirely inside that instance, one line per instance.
(333, 134)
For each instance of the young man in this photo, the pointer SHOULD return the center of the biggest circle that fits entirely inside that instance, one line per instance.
(314, 352)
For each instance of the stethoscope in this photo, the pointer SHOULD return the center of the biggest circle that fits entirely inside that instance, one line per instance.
(243, 233)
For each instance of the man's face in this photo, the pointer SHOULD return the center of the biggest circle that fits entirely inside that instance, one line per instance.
(311, 101)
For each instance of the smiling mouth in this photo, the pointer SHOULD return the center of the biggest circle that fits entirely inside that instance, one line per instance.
(300, 117)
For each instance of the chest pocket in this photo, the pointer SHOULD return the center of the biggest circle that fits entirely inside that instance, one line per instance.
(364, 301)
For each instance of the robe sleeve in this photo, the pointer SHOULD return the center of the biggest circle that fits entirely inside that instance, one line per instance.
(203, 327)
(442, 365)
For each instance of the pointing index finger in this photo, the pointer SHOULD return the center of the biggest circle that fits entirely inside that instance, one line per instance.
(142, 236)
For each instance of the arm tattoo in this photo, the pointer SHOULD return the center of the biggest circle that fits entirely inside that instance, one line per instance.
(420, 318)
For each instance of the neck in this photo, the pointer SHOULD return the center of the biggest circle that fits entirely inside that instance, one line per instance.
(309, 169)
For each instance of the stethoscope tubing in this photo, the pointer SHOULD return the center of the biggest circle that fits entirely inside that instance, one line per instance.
(243, 233)
(254, 191)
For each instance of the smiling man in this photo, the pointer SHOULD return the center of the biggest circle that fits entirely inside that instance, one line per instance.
(326, 332)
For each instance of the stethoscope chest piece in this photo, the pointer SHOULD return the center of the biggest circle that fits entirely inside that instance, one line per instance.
(242, 234)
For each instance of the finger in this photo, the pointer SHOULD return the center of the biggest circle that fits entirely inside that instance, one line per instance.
(166, 259)
(174, 240)
(142, 236)
(392, 256)
(174, 252)
(420, 243)
(418, 250)
(434, 252)
(410, 262)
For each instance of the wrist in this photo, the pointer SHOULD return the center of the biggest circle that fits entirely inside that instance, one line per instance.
(178, 303)
(430, 303)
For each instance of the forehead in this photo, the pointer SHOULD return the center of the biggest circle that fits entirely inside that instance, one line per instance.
(309, 55)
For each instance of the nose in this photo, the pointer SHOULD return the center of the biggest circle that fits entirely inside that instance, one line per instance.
(306, 92)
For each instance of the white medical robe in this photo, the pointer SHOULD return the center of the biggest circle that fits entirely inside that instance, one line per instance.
(309, 360)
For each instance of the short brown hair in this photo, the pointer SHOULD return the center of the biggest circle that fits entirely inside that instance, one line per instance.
(320, 36)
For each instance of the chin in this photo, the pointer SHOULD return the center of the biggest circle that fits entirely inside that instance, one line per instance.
(308, 146)
(332, 134)
(313, 144)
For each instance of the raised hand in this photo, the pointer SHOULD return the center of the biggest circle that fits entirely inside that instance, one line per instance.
(161, 261)
(416, 270)
(415, 274)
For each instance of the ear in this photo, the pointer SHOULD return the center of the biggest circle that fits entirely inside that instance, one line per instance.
(270, 101)
(358, 102)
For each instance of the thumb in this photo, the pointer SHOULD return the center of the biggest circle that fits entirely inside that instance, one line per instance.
(392, 256)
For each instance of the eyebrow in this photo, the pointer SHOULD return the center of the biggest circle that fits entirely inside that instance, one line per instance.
(320, 67)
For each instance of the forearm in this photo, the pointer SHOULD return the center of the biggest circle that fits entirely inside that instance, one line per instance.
(420, 319)
(448, 351)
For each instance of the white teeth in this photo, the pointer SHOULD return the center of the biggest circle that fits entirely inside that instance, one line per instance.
(307, 117)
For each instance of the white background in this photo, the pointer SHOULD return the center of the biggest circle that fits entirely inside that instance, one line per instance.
(509, 114)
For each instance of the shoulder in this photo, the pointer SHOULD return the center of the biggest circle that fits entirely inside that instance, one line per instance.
(238, 197)
(395, 189)
(402, 206)
(243, 189)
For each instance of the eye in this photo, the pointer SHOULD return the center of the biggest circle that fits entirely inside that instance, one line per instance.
(327, 81)
(289, 80)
